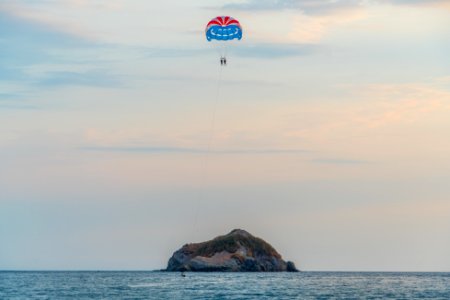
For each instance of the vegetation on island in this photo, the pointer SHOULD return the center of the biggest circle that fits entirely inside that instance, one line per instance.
(232, 242)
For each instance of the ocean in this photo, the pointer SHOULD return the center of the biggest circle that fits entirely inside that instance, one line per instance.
(163, 285)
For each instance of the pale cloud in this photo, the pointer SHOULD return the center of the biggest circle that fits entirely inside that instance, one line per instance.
(352, 133)
(392, 125)
(324, 7)
(155, 149)
(310, 21)
(443, 81)
(408, 210)
(296, 26)
(110, 21)
(307, 6)
(54, 22)
(403, 103)
(421, 3)
(372, 106)
(311, 29)
(98, 4)
(307, 21)
(339, 161)
(299, 47)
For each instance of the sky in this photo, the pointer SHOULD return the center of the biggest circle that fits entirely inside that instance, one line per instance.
(122, 138)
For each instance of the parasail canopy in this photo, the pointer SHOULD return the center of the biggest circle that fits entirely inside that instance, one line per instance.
(223, 28)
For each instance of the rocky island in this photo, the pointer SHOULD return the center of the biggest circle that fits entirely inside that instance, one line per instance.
(237, 251)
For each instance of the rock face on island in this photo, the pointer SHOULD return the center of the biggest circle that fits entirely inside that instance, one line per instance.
(238, 251)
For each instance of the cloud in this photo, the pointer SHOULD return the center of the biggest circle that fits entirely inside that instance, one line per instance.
(7, 96)
(399, 103)
(339, 161)
(248, 50)
(17, 106)
(309, 21)
(15, 101)
(307, 6)
(178, 150)
(31, 12)
(24, 42)
(270, 50)
(292, 22)
(98, 78)
(161, 52)
(315, 7)
(311, 29)
(34, 54)
(414, 2)
(366, 111)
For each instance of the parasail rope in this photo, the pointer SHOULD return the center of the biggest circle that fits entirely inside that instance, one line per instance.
(205, 158)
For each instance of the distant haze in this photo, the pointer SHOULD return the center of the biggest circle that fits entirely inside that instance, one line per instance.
(331, 137)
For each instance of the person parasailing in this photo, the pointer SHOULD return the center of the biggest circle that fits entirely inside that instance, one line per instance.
(223, 29)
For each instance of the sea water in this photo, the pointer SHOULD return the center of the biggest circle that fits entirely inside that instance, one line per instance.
(164, 285)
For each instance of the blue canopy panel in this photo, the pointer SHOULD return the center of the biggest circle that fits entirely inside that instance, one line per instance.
(224, 33)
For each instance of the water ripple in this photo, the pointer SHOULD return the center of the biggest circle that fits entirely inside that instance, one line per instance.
(227, 286)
